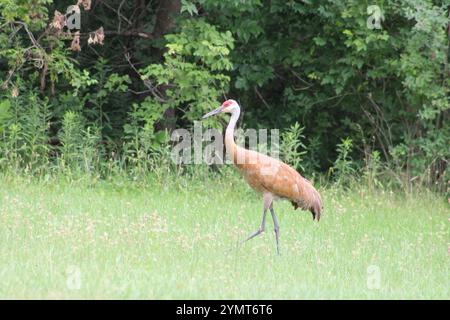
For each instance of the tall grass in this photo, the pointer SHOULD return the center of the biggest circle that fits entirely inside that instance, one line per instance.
(42, 143)
(180, 238)
(82, 216)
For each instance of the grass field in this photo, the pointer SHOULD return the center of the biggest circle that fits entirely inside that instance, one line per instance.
(164, 241)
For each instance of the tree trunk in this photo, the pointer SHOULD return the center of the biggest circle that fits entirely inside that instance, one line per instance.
(165, 14)
(165, 21)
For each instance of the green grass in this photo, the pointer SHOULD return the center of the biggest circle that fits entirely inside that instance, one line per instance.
(164, 241)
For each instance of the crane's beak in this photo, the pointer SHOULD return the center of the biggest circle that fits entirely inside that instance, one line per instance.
(209, 114)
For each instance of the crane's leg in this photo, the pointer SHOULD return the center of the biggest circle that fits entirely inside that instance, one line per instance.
(276, 228)
(268, 199)
(261, 228)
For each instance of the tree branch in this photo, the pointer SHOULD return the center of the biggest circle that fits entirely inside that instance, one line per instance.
(151, 88)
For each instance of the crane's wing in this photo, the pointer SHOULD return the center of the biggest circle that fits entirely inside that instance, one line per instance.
(266, 174)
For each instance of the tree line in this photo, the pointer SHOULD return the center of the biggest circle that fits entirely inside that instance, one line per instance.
(355, 88)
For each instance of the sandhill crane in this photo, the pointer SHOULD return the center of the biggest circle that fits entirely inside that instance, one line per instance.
(269, 176)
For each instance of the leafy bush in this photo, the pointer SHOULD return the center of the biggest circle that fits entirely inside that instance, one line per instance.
(81, 150)
(292, 148)
(192, 74)
(104, 101)
(344, 167)
(24, 128)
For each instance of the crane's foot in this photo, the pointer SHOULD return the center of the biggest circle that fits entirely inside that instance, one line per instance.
(254, 234)
(261, 228)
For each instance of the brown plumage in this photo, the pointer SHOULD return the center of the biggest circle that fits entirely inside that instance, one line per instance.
(271, 177)
(268, 175)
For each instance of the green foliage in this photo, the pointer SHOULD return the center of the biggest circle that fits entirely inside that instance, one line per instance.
(71, 134)
(5, 114)
(373, 170)
(292, 148)
(143, 146)
(81, 150)
(24, 124)
(34, 13)
(193, 67)
(188, 6)
(344, 167)
(318, 63)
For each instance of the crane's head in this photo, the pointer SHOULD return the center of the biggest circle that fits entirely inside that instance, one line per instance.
(228, 106)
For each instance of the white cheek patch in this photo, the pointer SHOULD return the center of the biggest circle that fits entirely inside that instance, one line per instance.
(230, 108)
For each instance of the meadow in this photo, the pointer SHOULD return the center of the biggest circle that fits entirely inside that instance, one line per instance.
(179, 239)
(93, 94)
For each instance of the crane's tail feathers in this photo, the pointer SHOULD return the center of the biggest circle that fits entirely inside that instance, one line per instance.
(316, 213)
(316, 206)
(316, 210)
(311, 201)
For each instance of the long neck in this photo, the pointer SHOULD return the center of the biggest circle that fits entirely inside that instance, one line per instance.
(229, 133)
